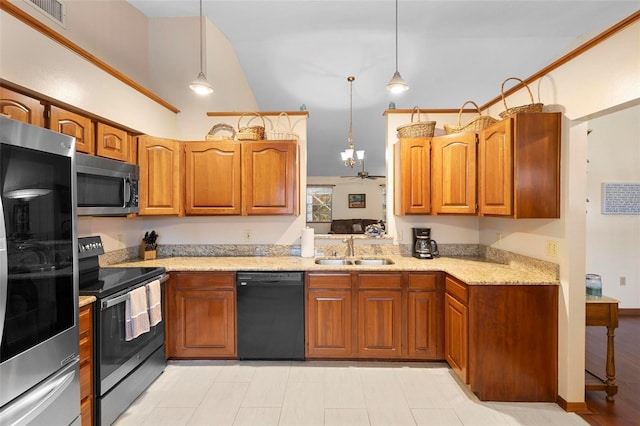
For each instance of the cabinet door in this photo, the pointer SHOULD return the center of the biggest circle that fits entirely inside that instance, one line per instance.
(329, 324)
(422, 325)
(161, 178)
(413, 176)
(213, 179)
(201, 315)
(495, 169)
(21, 107)
(454, 173)
(456, 336)
(380, 323)
(270, 177)
(112, 142)
(85, 326)
(75, 125)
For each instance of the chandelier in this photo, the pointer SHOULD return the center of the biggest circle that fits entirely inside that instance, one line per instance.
(350, 156)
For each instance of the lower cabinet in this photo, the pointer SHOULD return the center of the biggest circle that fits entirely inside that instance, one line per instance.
(329, 319)
(375, 315)
(502, 340)
(85, 322)
(201, 315)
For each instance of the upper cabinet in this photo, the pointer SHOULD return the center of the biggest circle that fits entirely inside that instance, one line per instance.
(412, 176)
(20, 107)
(270, 177)
(213, 178)
(112, 142)
(519, 167)
(161, 185)
(72, 124)
(453, 173)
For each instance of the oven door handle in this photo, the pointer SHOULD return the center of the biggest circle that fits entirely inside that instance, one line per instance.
(106, 304)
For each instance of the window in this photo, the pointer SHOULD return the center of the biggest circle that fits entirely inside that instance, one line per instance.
(319, 199)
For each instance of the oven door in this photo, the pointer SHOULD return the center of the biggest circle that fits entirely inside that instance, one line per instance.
(115, 356)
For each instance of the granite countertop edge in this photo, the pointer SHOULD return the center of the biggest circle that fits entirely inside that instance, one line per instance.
(470, 270)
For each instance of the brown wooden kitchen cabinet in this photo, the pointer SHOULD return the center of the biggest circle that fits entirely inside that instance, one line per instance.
(456, 327)
(270, 177)
(519, 167)
(161, 176)
(201, 315)
(112, 142)
(72, 124)
(379, 315)
(503, 339)
(213, 178)
(328, 322)
(413, 176)
(425, 315)
(453, 174)
(21, 107)
(85, 323)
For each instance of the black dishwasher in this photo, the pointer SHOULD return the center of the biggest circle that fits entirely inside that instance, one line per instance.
(270, 315)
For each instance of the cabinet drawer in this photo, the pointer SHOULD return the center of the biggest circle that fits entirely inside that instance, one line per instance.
(84, 320)
(85, 347)
(204, 280)
(86, 411)
(457, 290)
(85, 380)
(423, 281)
(329, 280)
(379, 280)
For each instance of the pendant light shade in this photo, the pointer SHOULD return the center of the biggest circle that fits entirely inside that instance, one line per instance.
(397, 83)
(200, 85)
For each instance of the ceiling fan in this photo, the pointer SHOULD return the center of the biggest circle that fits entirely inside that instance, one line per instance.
(363, 174)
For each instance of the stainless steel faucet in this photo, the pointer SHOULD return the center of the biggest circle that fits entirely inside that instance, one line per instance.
(350, 249)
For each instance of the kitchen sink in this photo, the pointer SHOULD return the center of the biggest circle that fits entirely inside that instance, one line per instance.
(373, 262)
(325, 261)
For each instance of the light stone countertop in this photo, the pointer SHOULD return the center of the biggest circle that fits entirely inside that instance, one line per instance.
(473, 271)
(85, 300)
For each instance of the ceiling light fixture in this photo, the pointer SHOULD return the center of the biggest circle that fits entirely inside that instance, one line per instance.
(350, 157)
(200, 85)
(397, 84)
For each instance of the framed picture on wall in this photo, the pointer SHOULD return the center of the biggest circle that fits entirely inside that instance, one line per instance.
(357, 201)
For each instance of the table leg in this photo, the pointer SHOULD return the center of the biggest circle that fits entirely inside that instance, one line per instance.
(612, 389)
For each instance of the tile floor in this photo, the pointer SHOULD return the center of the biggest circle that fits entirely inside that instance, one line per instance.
(324, 393)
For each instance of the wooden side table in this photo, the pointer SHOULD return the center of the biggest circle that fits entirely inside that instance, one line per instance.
(603, 311)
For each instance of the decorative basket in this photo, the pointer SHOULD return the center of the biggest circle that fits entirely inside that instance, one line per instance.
(532, 107)
(475, 124)
(212, 136)
(278, 133)
(419, 129)
(250, 133)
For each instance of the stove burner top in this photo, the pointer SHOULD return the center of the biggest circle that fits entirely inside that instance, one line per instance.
(112, 280)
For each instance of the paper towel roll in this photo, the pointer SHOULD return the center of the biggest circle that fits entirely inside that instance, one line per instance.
(307, 248)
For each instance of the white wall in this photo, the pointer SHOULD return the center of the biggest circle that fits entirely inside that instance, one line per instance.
(613, 241)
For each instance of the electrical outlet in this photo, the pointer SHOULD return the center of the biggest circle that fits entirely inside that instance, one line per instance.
(498, 239)
(120, 238)
(552, 249)
(623, 280)
(247, 234)
(399, 235)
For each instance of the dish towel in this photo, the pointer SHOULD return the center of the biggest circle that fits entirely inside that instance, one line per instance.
(153, 296)
(136, 315)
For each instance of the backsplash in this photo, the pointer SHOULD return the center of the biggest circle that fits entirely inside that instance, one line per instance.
(330, 249)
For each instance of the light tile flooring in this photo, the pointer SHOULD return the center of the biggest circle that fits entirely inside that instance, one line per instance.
(324, 393)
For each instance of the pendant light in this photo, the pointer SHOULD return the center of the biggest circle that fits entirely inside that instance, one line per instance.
(397, 84)
(200, 85)
(350, 157)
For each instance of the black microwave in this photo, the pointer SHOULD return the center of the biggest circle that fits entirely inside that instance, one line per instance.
(106, 187)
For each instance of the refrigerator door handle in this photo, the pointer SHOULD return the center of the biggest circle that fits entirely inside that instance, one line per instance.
(4, 270)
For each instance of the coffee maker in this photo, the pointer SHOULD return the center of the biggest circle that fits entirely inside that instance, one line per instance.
(423, 246)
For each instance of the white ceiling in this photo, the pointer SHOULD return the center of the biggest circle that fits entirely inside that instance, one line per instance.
(298, 52)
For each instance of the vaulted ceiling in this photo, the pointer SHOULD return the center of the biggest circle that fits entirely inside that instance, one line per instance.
(298, 52)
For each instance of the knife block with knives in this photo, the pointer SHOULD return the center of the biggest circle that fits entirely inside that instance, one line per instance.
(148, 246)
